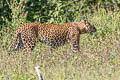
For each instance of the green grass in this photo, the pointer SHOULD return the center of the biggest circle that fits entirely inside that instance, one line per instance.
(99, 58)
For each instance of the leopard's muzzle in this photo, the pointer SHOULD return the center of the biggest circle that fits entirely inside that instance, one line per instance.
(92, 30)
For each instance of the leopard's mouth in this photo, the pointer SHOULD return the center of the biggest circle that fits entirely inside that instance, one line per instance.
(92, 30)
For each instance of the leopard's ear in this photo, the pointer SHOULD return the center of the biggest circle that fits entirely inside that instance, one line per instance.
(86, 21)
(75, 24)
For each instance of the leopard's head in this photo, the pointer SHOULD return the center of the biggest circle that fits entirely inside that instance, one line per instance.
(84, 26)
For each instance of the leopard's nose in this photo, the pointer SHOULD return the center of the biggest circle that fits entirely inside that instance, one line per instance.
(94, 29)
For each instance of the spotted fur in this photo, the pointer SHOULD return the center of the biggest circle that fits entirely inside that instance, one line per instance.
(50, 34)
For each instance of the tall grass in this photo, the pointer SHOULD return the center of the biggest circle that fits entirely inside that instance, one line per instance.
(99, 58)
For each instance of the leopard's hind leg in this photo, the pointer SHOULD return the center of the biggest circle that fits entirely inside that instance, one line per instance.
(29, 42)
(16, 42)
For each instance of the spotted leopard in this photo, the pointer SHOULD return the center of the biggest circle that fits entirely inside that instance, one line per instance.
(51, 34)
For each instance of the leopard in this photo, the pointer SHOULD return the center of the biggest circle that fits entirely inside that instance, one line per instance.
(52, 35)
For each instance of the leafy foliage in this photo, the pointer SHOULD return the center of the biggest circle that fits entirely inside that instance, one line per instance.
(55, 11)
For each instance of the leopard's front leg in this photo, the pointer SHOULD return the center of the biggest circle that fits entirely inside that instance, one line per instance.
(75, 45)
(73, 40)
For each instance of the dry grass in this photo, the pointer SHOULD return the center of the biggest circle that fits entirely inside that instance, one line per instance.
(99, 58)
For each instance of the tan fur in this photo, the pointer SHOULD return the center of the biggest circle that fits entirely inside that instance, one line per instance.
(50, 34)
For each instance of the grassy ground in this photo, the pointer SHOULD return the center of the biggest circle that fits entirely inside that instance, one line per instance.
(99, 58)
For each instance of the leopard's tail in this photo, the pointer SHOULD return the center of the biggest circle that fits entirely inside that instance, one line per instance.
(16, 41)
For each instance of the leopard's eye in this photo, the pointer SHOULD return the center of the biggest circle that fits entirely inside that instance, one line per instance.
(87, 25)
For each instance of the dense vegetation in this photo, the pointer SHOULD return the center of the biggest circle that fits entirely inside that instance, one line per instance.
(100, 51)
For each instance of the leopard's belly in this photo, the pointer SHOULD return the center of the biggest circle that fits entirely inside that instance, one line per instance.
(53, 40)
